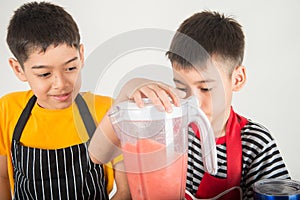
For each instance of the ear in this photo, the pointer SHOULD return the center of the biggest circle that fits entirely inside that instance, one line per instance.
(81, 54)
(17, 68)
(238, 78)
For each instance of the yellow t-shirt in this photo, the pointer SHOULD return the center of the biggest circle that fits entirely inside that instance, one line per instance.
(49, 129)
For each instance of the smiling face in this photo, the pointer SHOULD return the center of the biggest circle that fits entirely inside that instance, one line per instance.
(54, 75)
(213, 87)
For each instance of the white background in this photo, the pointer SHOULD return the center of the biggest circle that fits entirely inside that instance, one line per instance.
(272, 30)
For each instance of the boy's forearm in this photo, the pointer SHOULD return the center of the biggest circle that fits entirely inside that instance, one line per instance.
(5, 193)
(123, 192)
(104, 145)
(102, 150)
(121, 195)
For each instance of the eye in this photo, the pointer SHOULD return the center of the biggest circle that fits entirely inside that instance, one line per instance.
(181, 89)
(44, 75)
(205, 89)
(71, 69)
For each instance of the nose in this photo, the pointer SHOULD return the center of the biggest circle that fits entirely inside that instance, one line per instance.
(193, 92)
(59, 81)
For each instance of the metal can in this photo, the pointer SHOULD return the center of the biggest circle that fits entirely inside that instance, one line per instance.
(272, 189)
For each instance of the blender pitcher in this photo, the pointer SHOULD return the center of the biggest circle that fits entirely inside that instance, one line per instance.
(155, 147)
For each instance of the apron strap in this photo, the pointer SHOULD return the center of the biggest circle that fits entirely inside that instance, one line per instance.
(234, 148)
(23, 119)
(86, 115)
(82, 107)
(212, 186)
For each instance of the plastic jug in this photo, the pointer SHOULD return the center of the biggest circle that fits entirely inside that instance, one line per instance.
(155, 145)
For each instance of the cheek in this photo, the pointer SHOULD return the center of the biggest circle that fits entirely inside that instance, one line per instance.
(213, 104)
(219, 103)
(72, 80)
(39, 90)
(38, 85)
(77, 79)
(206, 104)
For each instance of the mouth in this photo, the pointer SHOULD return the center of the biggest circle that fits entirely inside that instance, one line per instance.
(62, 97)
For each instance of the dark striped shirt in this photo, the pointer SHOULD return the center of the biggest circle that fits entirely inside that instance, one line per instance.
(261, 159)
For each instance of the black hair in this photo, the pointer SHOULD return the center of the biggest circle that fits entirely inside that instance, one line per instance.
(214, 34)
(36, 26)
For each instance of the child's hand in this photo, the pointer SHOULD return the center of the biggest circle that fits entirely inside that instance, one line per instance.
(161, 95)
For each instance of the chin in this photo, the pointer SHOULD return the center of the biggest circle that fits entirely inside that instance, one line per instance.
(60, 106)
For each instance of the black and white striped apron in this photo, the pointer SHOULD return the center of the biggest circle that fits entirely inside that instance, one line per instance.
(66, 173)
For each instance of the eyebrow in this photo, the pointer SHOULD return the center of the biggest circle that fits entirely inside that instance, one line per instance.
(197, 82)
(44, 66)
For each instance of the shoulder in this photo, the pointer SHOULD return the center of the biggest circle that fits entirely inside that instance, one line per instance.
(261, 156)
(97, 99)
(108, 101)
(98, 104)
(256, 135)
(19, 94)
(16, 98)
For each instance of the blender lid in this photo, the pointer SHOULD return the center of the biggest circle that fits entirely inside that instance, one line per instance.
(149, 112)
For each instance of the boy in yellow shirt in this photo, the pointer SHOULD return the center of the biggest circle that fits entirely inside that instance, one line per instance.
(43, 131)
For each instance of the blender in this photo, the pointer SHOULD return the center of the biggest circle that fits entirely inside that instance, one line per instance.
(155, 146)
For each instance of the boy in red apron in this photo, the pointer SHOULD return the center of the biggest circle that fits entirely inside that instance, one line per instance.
(246, 150)
(206, 56)
(44, 131)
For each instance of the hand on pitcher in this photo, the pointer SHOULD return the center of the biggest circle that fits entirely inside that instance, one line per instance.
(161, 94)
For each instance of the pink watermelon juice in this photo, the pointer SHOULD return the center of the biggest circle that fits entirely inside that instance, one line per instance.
(154, 171)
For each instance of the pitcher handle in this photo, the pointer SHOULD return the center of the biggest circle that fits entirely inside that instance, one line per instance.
(207, 138)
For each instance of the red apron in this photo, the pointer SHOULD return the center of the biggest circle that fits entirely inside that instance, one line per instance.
(211, 186)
